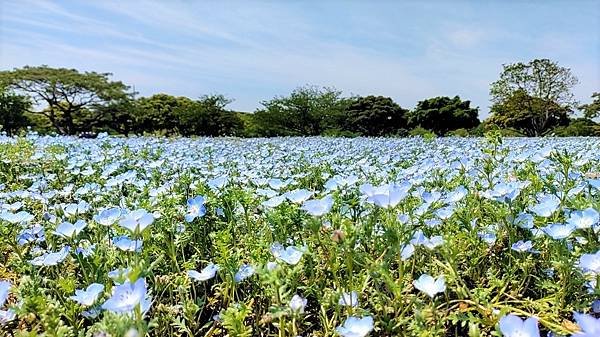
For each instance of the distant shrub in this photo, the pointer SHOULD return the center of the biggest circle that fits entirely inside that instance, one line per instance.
(581, 127)
(459, 133)
(421, 132)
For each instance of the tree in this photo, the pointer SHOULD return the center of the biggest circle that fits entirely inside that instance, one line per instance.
(12, 111)
(522, 112)
(158, 113)
(374, 116)
(68, 98)
(545, 88)
(592, 110)
(208, 117)
(444, 114)
(308, 111)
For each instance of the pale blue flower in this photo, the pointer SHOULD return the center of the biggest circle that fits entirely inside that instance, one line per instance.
(318, 207)
(356, 327)
(126, 297)
(585, 218)
(445, 212)
(15, 218)
(407, 251)
(7, 316)
(290, 255)
(297, 304)
(137, 221)
(51, 259)
(86, 251)
(513, 326)
(524, 220)
(34, 234)
(522, 246)
(4, 290)
(88, 296)
(489, 238)
(349, 299)
(108, 217)
(195, 208)
(127, 244)
(69, 230)
(559, 231)
(590, 325)
(546, 206)
(243, 273)
(433, 242)
(389, 195)
(457, 195)
(274, 201)
(590, 263)
(119, 275)
(205, 274)
(298, 196)
(429, 285)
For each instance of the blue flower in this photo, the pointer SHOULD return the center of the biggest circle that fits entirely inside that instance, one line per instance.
(108, 217)
(388, 195)
(51, 259)
(489, 238)
(522, 246)
(349, 299)
(273, 202)
(4, 290)
(88, 296)
(297, 304)
(590, 263)
(86, 251)
(206, 274)
(68, 230)
(126, 297)
(20, 217)
(128, 245)
(407, 251)
(584, 219)
(590, 326)
(429, 285)
(298, 196)
(196, 208)
(243, 273)
(318, 207)
(7, 316)
(356, 327)
(558, 231)
(290, 255)
(546, 206)
(137, 221)
(513, 326)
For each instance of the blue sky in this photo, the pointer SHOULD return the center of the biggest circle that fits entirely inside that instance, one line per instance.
(254, 50)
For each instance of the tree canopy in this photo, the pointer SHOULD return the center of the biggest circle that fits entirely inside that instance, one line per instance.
(375, 116)
(12, 111)
(444, 114)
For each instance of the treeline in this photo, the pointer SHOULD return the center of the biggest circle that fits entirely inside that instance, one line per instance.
(530, 99)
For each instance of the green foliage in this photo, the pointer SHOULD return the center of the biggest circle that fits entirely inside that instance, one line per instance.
(307, 111)
(444, 114)
(374, 116)
(208, 117)
(533, 97)
(421, 132)
(581, 127)
(12, 111)
(70, 100)
(592, 110)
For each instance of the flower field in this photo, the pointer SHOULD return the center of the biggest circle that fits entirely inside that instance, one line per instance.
(299, 237)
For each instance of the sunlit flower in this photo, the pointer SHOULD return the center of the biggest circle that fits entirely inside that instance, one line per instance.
(356, 327)
(590, 326)
(243, 273)
(195, 208)
(51, 259)
(318, 207)
(137, 221)
(126, 297)
(205, 274)
(349, 299)
(297, 304)
(4, 290)
(68, 230)
(290, 255)
(429, 285)
(513, 326)
(88, 296)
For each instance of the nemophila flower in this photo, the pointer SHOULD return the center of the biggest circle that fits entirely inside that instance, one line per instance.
(108, 217)
(297, 304)
(85, 251)
(445, 212)
(68, 230)
(514, 326)
(243, 273)
(489, 238)
(318, 207)
(274, 201)
(76, 209)
(407, 251)
(433, 242)
(217, 183)
(51, 259)
(290, 255)
(119, 275)
(585, 218)
(7, 316)
(88, 296)
(126, 297)
(356, 327)
(559, 231)
(596, 306)
(195, 208)
(504, 192)
(457, 195)
(34, 234)
(429, 285)
(546, 206)
(15, 218)
(127, 244)
(524, 220)
(205, 274)
(298, 196)
(590, 326)
(522, 246)
(137, 220)
(590, 263)
(349, 299)
(388, 195)
(4, 290)
(418, 238)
